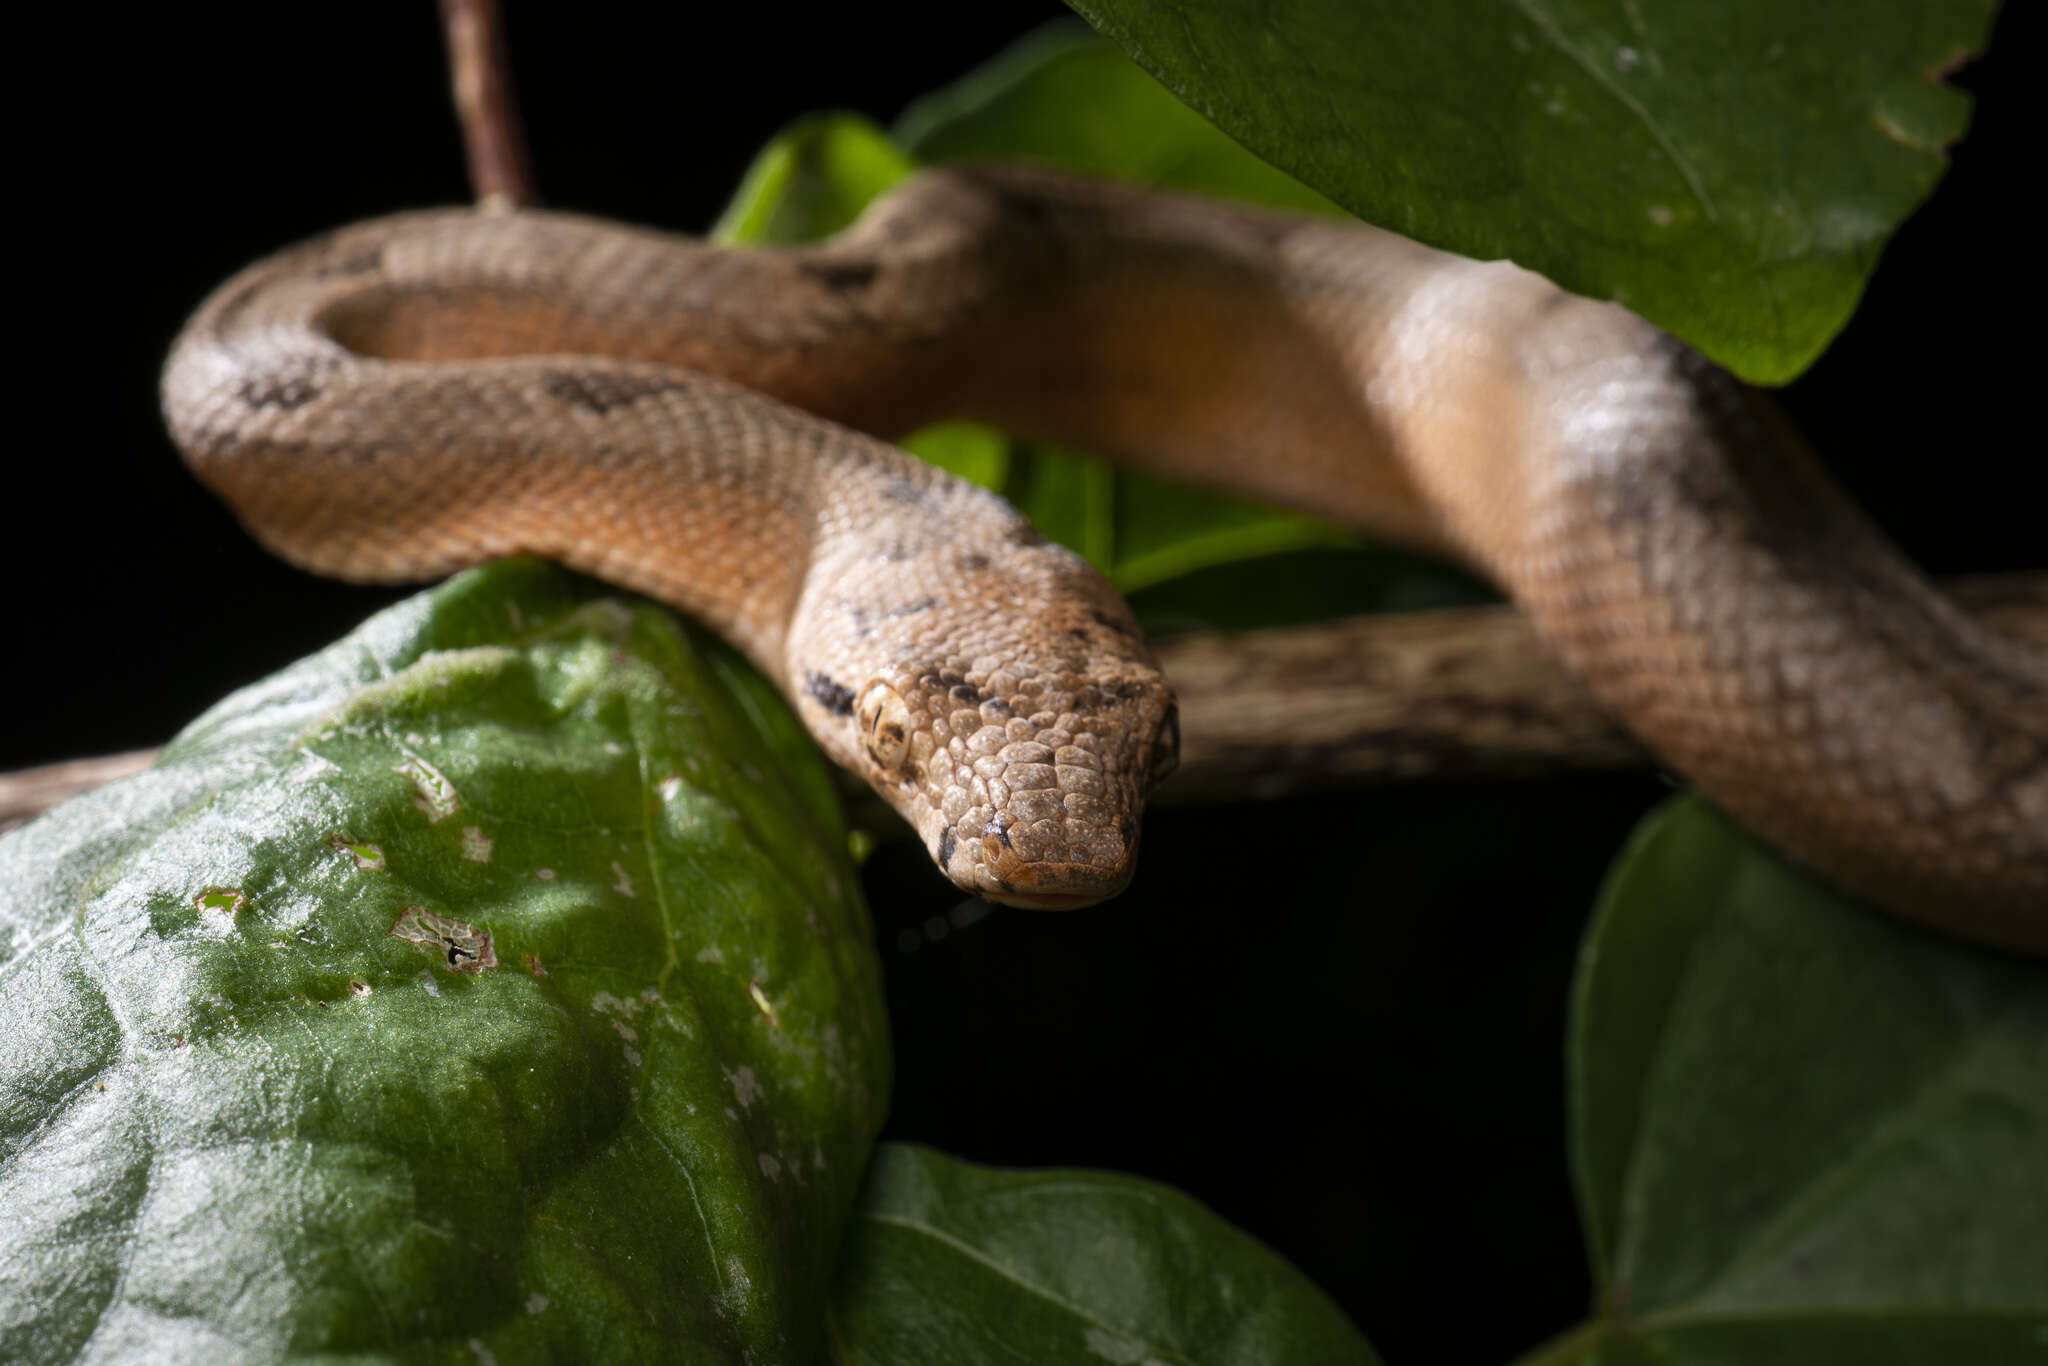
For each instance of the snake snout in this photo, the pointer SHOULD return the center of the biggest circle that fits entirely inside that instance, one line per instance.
(1055, 826)
(996, 872)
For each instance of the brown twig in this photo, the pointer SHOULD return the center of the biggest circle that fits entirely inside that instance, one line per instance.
(480, 70)
(1264, 713)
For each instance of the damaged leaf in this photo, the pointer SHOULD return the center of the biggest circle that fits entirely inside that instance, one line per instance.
(282, 1074)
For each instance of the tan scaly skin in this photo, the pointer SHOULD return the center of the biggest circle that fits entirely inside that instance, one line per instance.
(418, 393)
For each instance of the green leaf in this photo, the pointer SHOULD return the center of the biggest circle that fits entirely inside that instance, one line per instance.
(953, 1264)
(1065, 97)
(1802, 1131)
(493, 984)
(812, 179)
(1729, 171)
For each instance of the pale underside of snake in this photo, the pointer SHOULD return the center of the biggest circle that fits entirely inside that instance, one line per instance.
(710, 425)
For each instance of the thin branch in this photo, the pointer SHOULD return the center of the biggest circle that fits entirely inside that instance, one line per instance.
(500, 172)
(1265, 713)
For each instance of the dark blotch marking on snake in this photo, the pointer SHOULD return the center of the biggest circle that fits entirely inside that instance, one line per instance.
(356, 263)
(947, 843)
(602, 394)
(842, 276)
(973, 561)
(1108, 622)
(836, 698)
(898, 490)
(284, 392)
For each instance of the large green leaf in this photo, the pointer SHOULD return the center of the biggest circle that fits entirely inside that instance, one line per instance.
(812, 179)
(491, 984)
(1803, 1132)
(950, 1264)
(1730, 171)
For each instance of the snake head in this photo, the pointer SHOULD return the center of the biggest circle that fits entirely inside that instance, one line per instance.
(1027, 790)
(1010, 712)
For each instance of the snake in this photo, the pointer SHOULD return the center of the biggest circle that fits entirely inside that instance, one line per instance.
(712, 425)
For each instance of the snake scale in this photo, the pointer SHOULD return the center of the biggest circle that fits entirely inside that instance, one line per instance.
(710, 425)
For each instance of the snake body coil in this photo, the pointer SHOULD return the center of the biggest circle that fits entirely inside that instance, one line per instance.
(417, 393)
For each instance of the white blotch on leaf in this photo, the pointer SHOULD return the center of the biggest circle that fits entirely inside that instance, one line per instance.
(770, 1168)
(460, 947)
(432, 793)
(367, 856)
(624, 886)
(1121, 1351)
(544, 874)
(738, 1285)
(711, 953)
(476, 845)
(536, 1302)
(310, 767)
(226, 900)
(427, 980)
(746, 1088)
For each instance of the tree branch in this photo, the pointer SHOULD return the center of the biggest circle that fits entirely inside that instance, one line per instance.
(1266, 713)
(1469, 691)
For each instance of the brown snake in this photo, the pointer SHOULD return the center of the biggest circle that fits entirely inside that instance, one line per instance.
(417, 393)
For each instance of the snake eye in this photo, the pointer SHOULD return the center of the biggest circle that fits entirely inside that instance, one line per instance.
(883, 721)
(1166, 744)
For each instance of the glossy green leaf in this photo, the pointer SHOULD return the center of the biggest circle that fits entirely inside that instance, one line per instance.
(491, 985)
(812, 179)
(952, 1264)
(1065, 97)
(1730, 171)
(1803, 1132)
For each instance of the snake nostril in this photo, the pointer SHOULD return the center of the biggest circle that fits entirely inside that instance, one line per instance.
(1166, 744)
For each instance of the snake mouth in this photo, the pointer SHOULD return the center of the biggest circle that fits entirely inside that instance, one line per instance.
(1042, 901)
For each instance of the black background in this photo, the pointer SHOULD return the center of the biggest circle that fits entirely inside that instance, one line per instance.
(1366, 1070)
